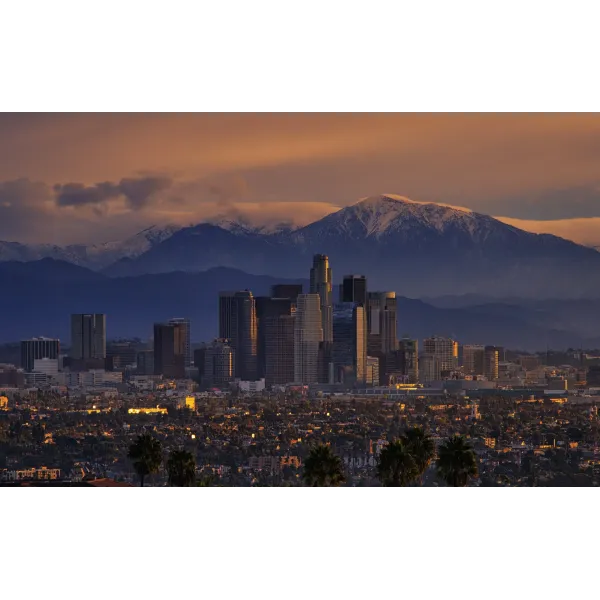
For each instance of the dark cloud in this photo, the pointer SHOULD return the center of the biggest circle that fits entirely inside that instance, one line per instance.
(77, 194)
(137, 192)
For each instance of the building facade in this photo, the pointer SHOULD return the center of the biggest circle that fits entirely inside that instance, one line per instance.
(169, 350)
(279, 349)
(349, 352)
(38, 348)
(445, 350)
(321, 284)
(88, 337)
(308, 335)
(185, 323)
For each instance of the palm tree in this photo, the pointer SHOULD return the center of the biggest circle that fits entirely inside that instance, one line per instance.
(146, 454)
(421, 448)
(396, 467)
(456, 461)
(323, 468)
(181, 468)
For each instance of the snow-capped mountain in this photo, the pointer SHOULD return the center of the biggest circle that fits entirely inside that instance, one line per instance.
(95, 256)
(399, 244)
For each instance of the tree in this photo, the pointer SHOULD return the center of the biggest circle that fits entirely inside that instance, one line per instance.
(456, 462)
(181, 468)
(421, 448)
(146, 454)
(396, 467)
(323, 468)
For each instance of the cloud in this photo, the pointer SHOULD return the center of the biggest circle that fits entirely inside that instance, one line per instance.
(137, 192)
(584, 231)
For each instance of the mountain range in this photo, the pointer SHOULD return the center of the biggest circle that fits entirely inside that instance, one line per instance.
(413, 248)
(38, 298)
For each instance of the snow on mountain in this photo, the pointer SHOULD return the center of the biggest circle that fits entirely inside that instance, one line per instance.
(94, 256)
(390, 216)
(243, 226)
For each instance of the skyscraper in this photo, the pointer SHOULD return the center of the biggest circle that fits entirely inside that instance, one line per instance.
(354, 289)
(267, 308)
(169, 350)
(187, 336)
(279, 349)
(473, 359)
(445, 350)
(349, 352)
(227, 315)
(308, 334)
(88, 337)
(38, 348)
(237, 323)
(245, 336)
(491, 363)
(408, 351)
(320, 283)
(219, 363)
(382, 322)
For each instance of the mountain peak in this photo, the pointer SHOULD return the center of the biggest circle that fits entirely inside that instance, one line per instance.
(384, 214)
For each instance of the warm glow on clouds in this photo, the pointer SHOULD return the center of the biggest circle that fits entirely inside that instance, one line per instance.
(582, 231)
(85, 177)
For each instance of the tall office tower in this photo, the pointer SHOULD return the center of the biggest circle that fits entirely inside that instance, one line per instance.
(286, 290)
(320, 283)
(169, 350)
(145, 362)
(245, 336)
(88, 337)
(38, 348)
(382, 322)
(188, 342)
(279, 349)
(473, 359)
(266, 308)
(429, 368)
(237, 323)
(354, 289)
(227, 315)
(325, 372)
(308, 334)
(219, 363)
(349, 343)
(408, 350)
(388, 322)
(444, 349)
(491, 363)
(120, 355)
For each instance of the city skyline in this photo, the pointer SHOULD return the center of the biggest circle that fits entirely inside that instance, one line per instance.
(100, 178)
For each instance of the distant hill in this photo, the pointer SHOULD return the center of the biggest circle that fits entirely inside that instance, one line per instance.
(38, 297)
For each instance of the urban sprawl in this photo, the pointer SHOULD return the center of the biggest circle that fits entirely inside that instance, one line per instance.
(298, 389)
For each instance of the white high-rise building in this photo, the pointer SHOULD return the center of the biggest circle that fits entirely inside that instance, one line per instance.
(308, 334)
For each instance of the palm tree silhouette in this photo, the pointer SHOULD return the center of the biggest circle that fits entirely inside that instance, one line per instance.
(323, 468)
(181, 468)
(456, 461)
(421, 447)
(146, 455)
(396, 467)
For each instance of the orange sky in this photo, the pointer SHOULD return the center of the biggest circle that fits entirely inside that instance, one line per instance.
(539, 172)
